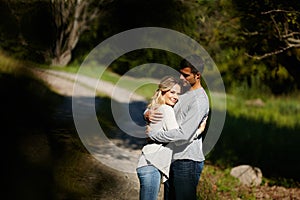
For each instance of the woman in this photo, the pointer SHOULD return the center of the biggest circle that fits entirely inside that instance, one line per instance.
(154, 163)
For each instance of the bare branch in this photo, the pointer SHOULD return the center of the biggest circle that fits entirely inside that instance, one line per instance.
(260, 57)
(292, 34)
(279, 10)
(251, 33)
(296, 42)
(284, 24)
(276, 27)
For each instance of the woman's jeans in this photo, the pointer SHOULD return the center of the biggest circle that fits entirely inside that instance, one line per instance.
(150, 179)
(183, 180)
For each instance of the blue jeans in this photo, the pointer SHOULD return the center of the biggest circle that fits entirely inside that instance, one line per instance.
(150, 178)
(183, 181)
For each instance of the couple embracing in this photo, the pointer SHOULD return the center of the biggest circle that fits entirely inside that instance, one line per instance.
(176, 119)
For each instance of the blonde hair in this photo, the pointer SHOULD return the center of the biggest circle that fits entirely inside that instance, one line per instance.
(166, 84)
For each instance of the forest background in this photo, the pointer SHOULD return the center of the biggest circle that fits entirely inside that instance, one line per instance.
(255, 45)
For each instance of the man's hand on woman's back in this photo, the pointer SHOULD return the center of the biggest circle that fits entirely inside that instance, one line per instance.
(153, 116)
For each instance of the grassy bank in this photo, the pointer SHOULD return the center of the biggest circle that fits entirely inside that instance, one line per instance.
(262, 132)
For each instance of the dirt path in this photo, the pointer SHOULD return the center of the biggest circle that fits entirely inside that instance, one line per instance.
(63, 83)
(126, 158)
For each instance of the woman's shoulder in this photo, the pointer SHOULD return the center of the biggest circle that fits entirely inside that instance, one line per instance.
(166, 108)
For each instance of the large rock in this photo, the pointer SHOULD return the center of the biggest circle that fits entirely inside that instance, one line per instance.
(248, 175)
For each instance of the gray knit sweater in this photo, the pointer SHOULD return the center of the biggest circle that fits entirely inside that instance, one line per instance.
(190, 110)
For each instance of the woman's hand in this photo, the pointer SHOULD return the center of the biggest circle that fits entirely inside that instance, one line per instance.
(148, 129)
(202, 125)
(201, 128)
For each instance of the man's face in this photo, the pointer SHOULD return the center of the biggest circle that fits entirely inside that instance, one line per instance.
(187, 77)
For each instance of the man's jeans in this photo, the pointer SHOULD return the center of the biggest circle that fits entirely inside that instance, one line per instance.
(150, 178)
(183, 181)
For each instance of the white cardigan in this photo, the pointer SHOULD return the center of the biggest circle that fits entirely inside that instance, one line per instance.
(156, 154)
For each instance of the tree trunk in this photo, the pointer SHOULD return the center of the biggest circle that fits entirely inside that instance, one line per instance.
(62, 60)
(71, 18)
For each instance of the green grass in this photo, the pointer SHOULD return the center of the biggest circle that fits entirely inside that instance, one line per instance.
(9, 65)
(283, 111)
(262, 135)
(218, 184)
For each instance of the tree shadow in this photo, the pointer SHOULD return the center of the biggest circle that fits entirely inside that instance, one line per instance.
(44, 156)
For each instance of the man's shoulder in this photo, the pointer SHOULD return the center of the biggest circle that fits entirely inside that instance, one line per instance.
(201, 91)
(194, 98)
(198, 93)
(201, 97)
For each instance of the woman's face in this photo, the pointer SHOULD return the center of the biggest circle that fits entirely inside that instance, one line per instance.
(171, 97)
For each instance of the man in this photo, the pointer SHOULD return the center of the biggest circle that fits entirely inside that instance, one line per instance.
(188, 157)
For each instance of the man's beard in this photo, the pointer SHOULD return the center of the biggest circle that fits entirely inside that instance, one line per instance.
(185, 86)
